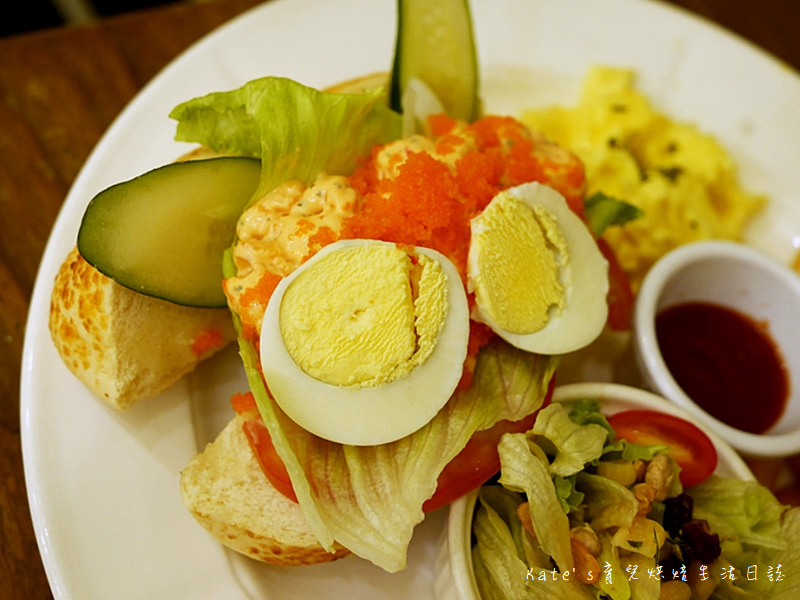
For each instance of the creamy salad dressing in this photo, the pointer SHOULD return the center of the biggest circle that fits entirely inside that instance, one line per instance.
(392, 156)
(274, 233)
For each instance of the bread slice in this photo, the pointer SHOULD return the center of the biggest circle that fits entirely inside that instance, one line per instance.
(226, 491)
(359, 85)
(125, 346)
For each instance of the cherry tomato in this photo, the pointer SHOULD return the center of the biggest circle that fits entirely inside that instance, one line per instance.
(471, 468)
(620, 293)
(688, 445)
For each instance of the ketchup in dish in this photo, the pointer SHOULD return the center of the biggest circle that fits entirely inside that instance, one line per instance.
(726, 362)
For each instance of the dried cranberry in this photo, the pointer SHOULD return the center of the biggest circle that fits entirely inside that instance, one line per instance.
(677, 512)
(699, 542)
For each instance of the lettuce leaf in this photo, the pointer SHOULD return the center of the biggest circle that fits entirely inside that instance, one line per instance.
(574, 445)
(788, 587)
(297, 131)
(746, 506)
(758, 536)
(524, 468)
(369, 498)
(608, 503)
(586, 412)
(501, 555)
(614, 581)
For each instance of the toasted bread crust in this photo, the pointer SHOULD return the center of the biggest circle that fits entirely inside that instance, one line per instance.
(226, 491)
(359, 85)
(125, 346)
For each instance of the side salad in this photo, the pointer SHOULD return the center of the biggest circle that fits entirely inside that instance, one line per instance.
(583, 510)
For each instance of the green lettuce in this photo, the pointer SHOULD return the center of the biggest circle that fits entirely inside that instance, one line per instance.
(369, 498)
(608, 503)
(506, 560)
(788, 587)
(296, 131)
(746, 507)
(604, 211)
(573, 445)
(524, 468)
(586, 412)
(758, 536)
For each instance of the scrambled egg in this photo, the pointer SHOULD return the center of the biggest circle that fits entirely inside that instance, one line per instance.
(683, 180)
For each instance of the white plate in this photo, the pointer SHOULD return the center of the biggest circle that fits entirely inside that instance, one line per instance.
(103, 487)
(458, 583)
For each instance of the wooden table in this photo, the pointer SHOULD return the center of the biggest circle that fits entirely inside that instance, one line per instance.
(59, 91)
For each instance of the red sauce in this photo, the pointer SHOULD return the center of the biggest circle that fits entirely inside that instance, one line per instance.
(726, 362)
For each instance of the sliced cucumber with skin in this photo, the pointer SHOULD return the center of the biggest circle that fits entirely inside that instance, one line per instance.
(435, 44)
(164, 233)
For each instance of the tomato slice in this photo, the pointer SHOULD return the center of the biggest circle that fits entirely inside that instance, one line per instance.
(475, 464)
(264, 450)
(688, 445)
(620, 293)
(471, 468)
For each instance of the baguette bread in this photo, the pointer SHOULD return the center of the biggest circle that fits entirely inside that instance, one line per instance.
(225, 490)
(125, 346)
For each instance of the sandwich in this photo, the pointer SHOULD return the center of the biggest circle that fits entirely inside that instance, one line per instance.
(361, 434)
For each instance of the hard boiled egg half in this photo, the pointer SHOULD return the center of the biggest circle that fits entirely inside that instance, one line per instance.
(539, 279)
(366, 341)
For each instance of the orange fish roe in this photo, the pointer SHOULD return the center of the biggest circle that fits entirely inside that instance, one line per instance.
(324, 236)
(429, 204)
(255, 299)
(527, 158)
(243, 403)
(441, 124)
(208, 340)
(422, 207)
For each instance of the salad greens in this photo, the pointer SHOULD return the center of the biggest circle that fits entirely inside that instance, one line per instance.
(369, 498)
(731, 533)
(602, 211)
(295, 130)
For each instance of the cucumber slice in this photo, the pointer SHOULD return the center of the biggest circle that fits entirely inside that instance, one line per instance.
(164, 233)
(435, 44)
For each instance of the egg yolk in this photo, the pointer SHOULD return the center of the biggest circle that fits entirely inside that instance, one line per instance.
(365, 315)
(521, 295)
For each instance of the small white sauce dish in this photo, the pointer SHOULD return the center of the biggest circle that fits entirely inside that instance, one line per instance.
(742, 279)
(458, 582)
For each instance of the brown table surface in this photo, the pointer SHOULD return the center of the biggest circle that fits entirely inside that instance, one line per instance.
(59, 91)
